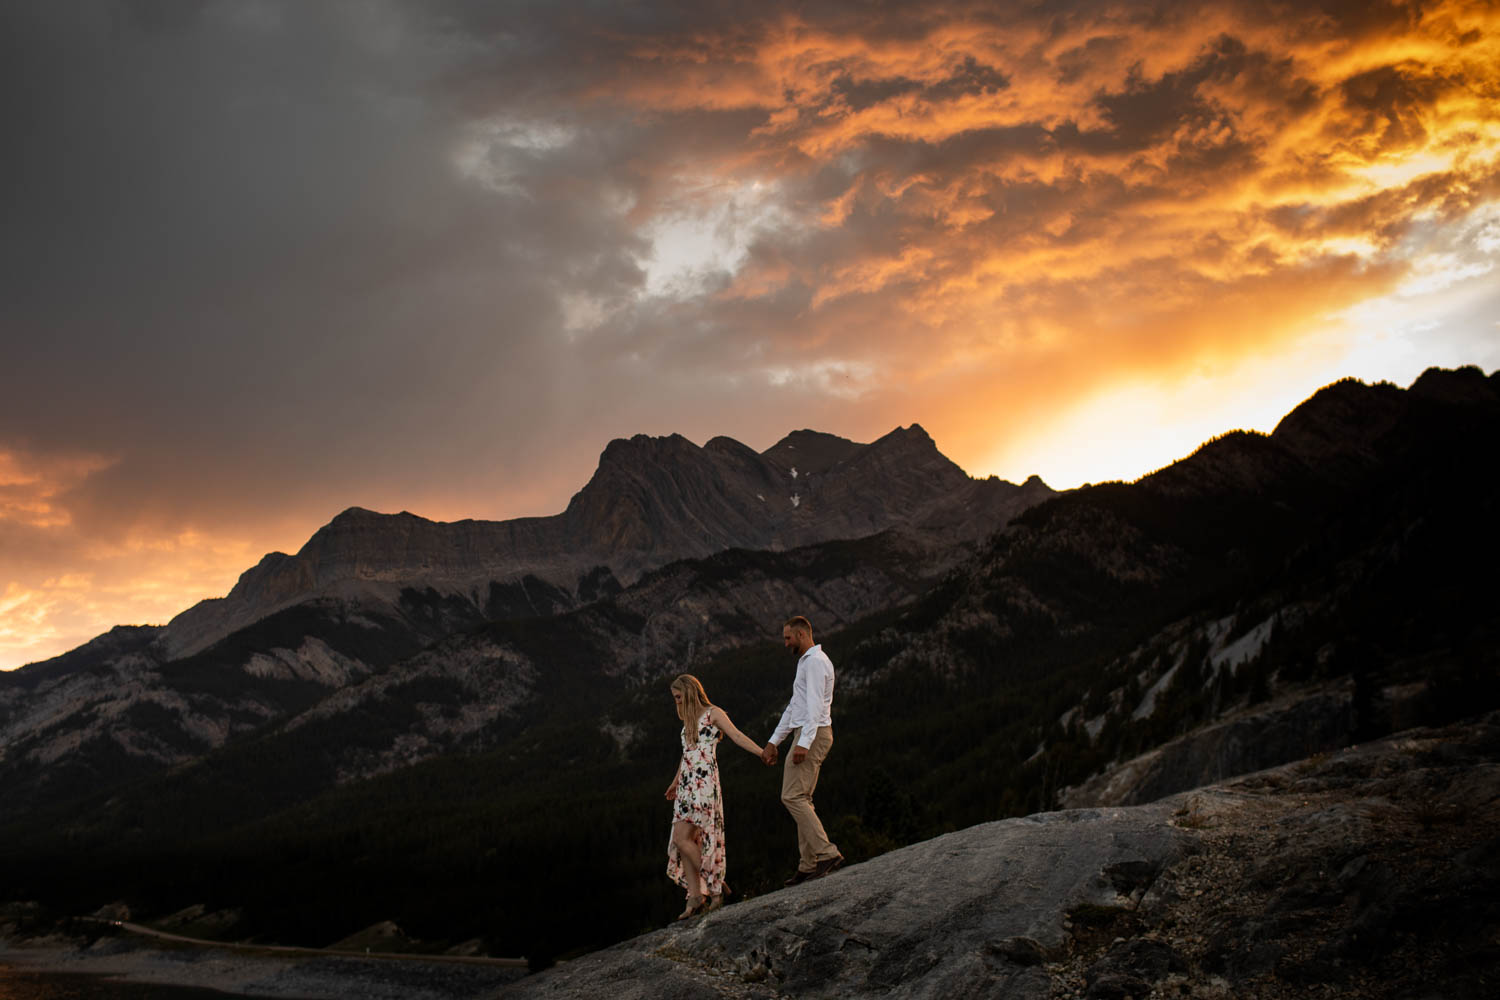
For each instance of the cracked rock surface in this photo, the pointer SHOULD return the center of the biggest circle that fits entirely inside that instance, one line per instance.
(1367, 873)
(977, 911)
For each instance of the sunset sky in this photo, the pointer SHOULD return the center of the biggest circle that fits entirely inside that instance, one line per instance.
(263, 261)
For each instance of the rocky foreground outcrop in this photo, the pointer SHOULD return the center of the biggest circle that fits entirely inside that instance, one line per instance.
(1370, 872)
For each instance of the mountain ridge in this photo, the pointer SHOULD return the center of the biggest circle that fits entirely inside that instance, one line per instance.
(369, 590)
(977, 680)
(649, 502)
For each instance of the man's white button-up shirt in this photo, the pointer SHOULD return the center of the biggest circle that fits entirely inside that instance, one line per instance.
(812, 698)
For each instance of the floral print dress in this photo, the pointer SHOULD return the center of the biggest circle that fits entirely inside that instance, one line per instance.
(701, 803)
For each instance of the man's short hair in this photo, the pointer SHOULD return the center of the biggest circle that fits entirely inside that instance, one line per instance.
(799, 624)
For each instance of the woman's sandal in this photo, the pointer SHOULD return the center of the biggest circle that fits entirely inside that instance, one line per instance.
(694, 909)
(717, 899)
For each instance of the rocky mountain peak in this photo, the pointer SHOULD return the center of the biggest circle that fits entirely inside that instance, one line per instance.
(359, 534)
(1239, 461)
(1462, 385)
(645, 447)
(1341, 429)
(1342, 426)
(1345, 418)
(356, 515)
(916, 432)
(911, 440)
(651, 501)
(908, 453)
(811, 453)
(728, 446)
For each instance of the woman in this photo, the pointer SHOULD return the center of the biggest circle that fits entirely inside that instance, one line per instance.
(695, 854)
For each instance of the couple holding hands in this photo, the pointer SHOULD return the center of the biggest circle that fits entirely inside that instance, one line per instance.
(695, 855)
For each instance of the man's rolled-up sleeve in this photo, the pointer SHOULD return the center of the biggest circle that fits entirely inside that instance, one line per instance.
(812, 694)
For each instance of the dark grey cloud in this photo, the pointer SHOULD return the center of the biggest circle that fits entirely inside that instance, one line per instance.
(242, 254)
(263, 259)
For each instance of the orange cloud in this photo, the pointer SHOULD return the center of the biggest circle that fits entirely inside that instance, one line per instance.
(999, 220)
(1043, 204)
(31, 485)
(1180, 144)
(60, 586)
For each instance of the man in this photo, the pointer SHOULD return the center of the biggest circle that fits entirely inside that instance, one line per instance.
(808, 719)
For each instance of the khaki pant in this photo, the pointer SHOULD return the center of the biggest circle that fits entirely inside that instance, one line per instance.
(797, 784)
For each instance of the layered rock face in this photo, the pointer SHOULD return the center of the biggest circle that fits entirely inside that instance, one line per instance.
(652, 501)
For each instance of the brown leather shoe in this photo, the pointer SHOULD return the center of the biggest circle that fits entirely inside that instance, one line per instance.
(799, 876)
(826, 866)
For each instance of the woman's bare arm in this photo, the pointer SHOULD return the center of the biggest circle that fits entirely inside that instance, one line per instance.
(720, 718)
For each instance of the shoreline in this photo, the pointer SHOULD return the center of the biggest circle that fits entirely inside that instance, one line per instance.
(261, 970)
(30, 982)
(280, 950)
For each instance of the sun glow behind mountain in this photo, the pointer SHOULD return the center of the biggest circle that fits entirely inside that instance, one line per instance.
(1073, 240)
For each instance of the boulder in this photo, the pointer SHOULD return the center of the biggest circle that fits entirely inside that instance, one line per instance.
(977, 912)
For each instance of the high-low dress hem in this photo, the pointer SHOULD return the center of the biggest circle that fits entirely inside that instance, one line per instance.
(700, 801)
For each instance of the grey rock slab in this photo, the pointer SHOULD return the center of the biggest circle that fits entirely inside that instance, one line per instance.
(936, 919)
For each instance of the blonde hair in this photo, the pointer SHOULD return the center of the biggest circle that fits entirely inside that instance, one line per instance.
(798, 624)
(694, 703)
